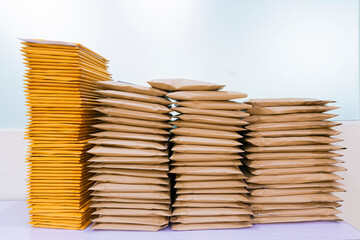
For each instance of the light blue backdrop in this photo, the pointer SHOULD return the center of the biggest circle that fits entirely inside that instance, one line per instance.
(267, 48)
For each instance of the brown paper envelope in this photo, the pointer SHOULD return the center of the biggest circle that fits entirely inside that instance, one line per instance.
(205, 141)
(294, 191)
(128, 179)
(212, 120)
(130, 200)
(270, 102)
(294, 117)
(210, 184)
(210, 163)
(133, 96)
(297, 170)
(198, 132)
(296, 185)
(266, 164)
(210, 211)
(131, 212)
(183, 85)
(294, 206)
(206, 149)
(153, 220)
(297, 148)
(127, 87)
(131, 136)
(207, 226)
(293, 178)
(279, 126)
(131, 172)
(290, 109)
(130, 152)
(296, 212)
(130, 160)
(213, 112)
(206, 95)
(184, 157)
(117, 187)
(213, 198)
(208, 126)
(135, 122)
(121, 112)
(210, 191)
(127, 128)
(295, 133)
(295, 219)
(210, 219)
(149, 206)
(306, 198)
(134, 105)
(128, 143)
(291, 155)
(159, 167)
(127, 227)
(139, 195)
(214, 105)
(210, 204)
(289, 141)
(190, 178)
(206, 170)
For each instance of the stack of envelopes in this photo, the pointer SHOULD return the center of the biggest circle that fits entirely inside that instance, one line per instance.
(210, 187)
(132, 190)
(60, 84)
(291, 160)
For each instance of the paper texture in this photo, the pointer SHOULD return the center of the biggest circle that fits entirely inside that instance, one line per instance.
(290, 160)
(131, 164)
(60, 84)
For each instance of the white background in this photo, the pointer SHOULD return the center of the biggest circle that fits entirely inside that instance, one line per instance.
(266, 48)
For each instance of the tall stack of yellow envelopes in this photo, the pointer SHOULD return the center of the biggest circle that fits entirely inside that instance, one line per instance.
(132, 189)
(210, 187)
(291, 160)
(60, 83)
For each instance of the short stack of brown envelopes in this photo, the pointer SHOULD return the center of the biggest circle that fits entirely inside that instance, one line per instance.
(59, 85)
(210, 187)
(131, 190)
(291, 161)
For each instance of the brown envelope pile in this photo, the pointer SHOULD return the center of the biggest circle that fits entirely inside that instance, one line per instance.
(59, 87)
(132, 188)
(290, 160)
(210, 187)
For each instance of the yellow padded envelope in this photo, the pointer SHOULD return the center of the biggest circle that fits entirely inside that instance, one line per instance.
(60, 92)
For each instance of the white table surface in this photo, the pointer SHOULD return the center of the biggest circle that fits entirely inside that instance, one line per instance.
(14, 218)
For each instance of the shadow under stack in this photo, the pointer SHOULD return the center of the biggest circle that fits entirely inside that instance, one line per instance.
(60, 84)
(131, 190)
(210, 187)
(290, 160)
